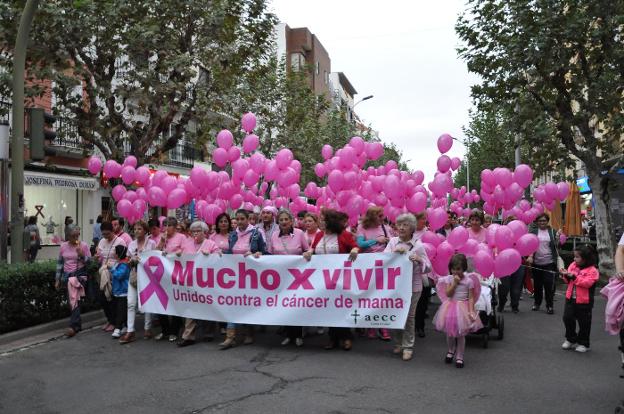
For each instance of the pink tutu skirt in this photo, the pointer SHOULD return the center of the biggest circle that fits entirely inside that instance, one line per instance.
(453, 318)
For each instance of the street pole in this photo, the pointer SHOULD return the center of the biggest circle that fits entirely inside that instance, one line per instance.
(4, 189)
(17, 141)
(517, 149)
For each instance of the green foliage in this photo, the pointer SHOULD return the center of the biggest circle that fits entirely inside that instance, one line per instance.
(141, 72)
(28, 296)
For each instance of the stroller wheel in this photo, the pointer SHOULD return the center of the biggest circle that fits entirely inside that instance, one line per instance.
(500, 323)
(486, 338)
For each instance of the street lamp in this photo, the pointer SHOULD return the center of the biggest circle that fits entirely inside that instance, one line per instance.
(461, 141)
(366, 98)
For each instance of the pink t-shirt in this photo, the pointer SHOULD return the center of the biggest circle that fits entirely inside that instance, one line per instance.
(463, 288)
(207, 246)
(106, 250)
(372, 234)
(243, 242)
(294, 243)
(175, 243)
(543, 255)
(221, 241)
(480, 236)
(310, 236)
(125, 237)
(328, 245)
(155, 239)
(69, 254)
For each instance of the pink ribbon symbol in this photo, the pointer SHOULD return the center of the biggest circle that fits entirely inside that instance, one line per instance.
(154, 284)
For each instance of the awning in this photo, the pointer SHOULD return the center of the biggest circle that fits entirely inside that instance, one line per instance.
(68, 182)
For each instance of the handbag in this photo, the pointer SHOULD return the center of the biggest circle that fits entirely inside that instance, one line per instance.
(133, 277)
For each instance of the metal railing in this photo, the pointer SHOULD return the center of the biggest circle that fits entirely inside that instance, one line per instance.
(67, 135)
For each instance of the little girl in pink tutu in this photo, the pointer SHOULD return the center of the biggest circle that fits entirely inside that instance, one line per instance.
(457, 316)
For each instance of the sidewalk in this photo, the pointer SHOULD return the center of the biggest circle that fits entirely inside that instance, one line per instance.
(36, 335)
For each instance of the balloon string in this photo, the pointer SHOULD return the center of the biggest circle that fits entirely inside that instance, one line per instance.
(539, 268)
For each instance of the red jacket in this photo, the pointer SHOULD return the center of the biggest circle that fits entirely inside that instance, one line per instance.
(346, 241)
(585, 279)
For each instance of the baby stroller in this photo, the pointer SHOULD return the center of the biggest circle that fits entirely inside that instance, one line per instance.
(486, 306)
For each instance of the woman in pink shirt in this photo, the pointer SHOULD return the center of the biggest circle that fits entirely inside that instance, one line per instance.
(311, 226)
(71, 270)
(172, 242)
(198, 243)
(476, 231)
(289, 241)
(372, 236)
(222, 231)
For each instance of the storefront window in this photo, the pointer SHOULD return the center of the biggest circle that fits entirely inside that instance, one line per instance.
(51, 206)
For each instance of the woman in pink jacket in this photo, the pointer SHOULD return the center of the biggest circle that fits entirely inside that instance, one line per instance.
(581, 278)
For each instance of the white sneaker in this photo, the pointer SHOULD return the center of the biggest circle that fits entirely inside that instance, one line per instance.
(285, 341)
(568, 345)
(581, 348)
(116, 333)
(299, 341)
(173, 338)
(159, 337)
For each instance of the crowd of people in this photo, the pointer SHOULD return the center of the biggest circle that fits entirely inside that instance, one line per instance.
(273, 232)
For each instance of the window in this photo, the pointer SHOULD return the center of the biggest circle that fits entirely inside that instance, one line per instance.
(297, 61)
(317, 67)
(326, 77)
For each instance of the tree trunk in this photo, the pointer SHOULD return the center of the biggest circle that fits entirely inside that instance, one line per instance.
(602, 214)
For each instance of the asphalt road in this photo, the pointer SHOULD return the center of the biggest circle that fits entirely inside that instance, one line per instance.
(526, 372)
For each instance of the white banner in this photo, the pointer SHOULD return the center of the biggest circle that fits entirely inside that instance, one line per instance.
(372, 292)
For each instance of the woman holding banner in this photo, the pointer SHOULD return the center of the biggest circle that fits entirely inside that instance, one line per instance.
(311, 226)
(372, 237)
(171, 243)
(406, 242)
(289, 241)
(335, 239)
(246, 240)
(198, 243)
(140, 244)
(222, 231)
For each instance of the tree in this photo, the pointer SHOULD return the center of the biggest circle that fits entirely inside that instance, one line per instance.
(136, 75)
(564, 62)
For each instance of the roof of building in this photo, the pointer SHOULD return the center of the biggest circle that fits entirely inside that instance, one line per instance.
(346, 84)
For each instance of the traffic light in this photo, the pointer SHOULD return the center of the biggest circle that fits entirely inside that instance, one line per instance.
(40, 131)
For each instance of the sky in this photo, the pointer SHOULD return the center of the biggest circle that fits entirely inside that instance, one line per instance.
(403, 53)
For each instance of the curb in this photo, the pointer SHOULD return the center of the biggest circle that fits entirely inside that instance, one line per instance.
(91, 318)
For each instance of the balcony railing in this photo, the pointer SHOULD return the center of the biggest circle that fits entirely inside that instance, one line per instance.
(183, 155)
(67, 135)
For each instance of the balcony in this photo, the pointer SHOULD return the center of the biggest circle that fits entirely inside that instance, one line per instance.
(68, 138)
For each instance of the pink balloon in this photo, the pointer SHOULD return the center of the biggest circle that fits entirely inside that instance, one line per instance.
(233, 154)
(418, 177)
(504, 238)
(445, 142)
(431, 238)
(562, 238)
(552, 191)
(112, 169)
(564, 190)
(257, 162)
(455, 163)
(94, 165)
(130, 161)
(487, 176)
(503, 177)
(431, 250)
(327, 152)
(250, 143)
(444, 250)
(417, 203)
(176, 198)
(131, 196)
(518, 228)
(357, 143)
(220, 157)
(527, 244)
(271, 171)
(236, 201)
(470, 247)
(128, 174)
(248, 122)
(335, 181)
(437, 218)
(483, 262)
(168, 184)
(283, 158)
(507, 262)
(118, 192)
(319, 170)
(523, 175)
(225, 139)
(157, 197)
(444, 163)
(374, 150)
(250, 178)
(142, 175)
(458, 237)
(124, 207)
(139, 206)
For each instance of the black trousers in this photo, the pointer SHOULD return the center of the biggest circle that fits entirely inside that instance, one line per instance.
(577, 313)
(170, 325)
(544, 282)
(340, 334)
(107, 306)
(294, 332)
(120, 304)
(512, 286)
(421, 308)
